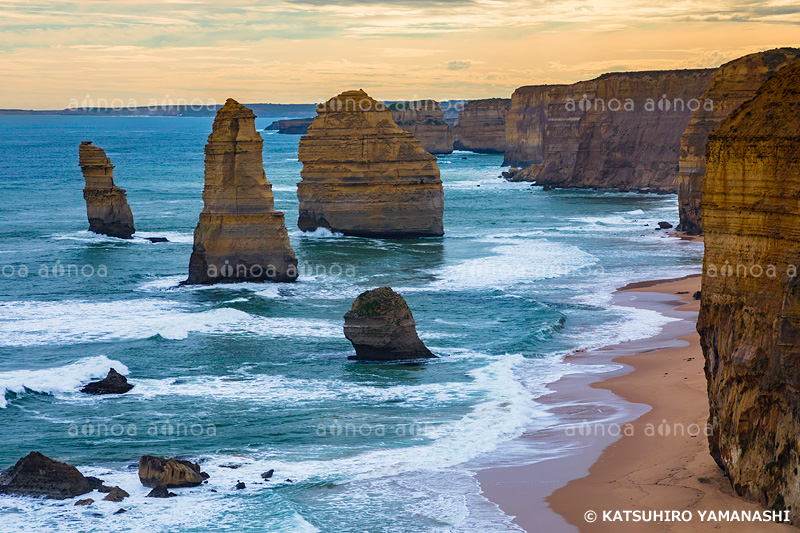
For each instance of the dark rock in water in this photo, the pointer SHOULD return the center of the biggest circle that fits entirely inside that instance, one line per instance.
(95, 483)
(172, 473)
(121, 511)
(547, 187)
(697, 295)
(232, 467)
(157, 239)
(113, 383)
(240, 485)
(381, 328)
(268, 474)
(116, 495)
(289, 481)
(37, 475)
(160, 491)
(664, 225)
(87, 501)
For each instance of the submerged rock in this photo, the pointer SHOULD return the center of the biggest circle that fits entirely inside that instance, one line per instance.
(113, 383)
(364, 176)
(381, 328)
(106, 204)
(160, 491)
(85, 502)
(38, 475)
(171, 473)
(749, 321)
(240, 236)
(116, 494)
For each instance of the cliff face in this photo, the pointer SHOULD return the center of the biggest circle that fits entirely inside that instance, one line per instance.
(291, 126)
(106, 204)
(618, 131)
(424, 120)
(526, 125)
(733, 84)
(750, 316)
(481, 126)
(240, 236)
(363, 175)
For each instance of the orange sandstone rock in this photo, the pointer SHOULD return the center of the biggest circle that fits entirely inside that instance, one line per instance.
(733, 84)
(106, 204)
(424, 119)
(240, 236)
(363, 175)
(749, 321)
(481, 126)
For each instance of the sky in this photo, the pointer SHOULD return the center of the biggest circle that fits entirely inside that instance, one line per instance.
(58, 54)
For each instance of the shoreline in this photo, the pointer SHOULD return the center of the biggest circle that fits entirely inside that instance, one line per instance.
(657, 379)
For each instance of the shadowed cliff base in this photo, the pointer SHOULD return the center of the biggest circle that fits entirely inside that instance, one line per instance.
(240, 236)
(364, 176)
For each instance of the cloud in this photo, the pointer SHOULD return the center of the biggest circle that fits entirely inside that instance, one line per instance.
(458, 65)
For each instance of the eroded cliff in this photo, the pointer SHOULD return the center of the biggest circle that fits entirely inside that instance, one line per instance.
(481, 126)
(363, 175)
(240, 236)
(106, 204)
(749, 321)
(619, 131)
(424, 119)
(732, 84)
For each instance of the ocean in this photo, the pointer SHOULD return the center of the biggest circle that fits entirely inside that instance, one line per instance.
(250, 377)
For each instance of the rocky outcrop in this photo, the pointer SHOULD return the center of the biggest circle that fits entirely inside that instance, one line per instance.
(113, 383)
(240, 236)
(424, 119)
(481, 126)
(106, 204)
(291, 126)
(116, 494)
(733, 84)
(364, 176)
(749, 321)
(37, 475)
(381, 328)
(619, 131)
(171, 473)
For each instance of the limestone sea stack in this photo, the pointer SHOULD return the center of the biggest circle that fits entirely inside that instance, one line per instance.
(749, 321)
(169, 473)
(733, 84)
(621, 130)
(240, 236)
(381, 328)
(481, 126)
(424, 119)
(106, 204)
(364, 176)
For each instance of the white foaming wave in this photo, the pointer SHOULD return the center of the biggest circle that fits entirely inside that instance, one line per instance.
(319, 233)
(140, 237)
(38, 323)
(514, 262)
(171, 236)
(65, 378)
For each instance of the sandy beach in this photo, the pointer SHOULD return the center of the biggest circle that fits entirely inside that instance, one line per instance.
(649, 467)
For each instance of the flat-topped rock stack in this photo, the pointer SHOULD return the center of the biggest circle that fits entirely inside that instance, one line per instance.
(733, 84)
(106, 204)
(240, 236)
(424, 119)
(364, 176)
(481, 126)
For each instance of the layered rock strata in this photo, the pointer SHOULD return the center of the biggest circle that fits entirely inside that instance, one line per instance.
(169, 473)
(363, 175)
(749, 321)
(619, 131)
(291, 126)
(240, 236)
(381, 328)
(106, 204)
(481, 126)
(732, 84)
(424, 119)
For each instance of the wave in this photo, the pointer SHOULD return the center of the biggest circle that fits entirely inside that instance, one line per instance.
(67, 378)
(38, 323)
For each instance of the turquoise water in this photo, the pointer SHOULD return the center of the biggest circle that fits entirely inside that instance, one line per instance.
(256, 375)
